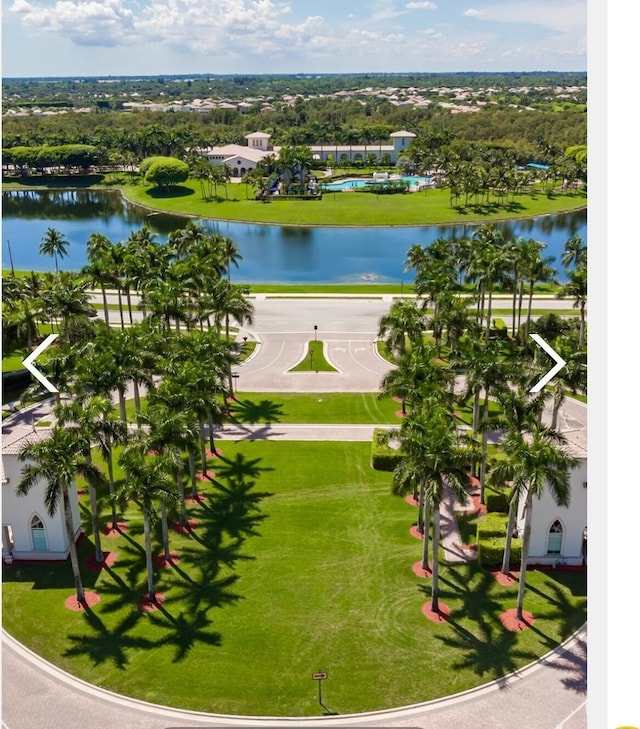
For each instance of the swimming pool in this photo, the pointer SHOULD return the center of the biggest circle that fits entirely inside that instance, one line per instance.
(414, 181)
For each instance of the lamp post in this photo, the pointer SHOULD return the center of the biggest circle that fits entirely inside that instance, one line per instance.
(315, 332)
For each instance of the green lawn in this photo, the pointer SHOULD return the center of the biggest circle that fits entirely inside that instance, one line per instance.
(293, 568)
(364, 408)
(359, 209)
(314, 359)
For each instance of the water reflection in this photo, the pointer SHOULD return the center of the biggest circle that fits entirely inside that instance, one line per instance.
(271, 253)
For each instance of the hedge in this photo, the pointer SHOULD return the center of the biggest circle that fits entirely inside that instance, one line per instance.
(383, 456)
(493, 525)
(497, 502)
(491, 551)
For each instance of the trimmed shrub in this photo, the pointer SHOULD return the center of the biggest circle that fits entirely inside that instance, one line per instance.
(165, 171)
(383, 456)
(497, 502)
(491, 551)
(493, 525)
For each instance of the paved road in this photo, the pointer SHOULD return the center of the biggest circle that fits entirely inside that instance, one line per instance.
(549, 695)
(546, 695)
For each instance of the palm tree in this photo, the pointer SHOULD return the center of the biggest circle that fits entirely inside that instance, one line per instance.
(574, 252)
(576, 288)
(98, 269)
(54, 244)
(169, 432)
(94, 418)
(521, 412)
(429, 441)
(56, 461)
(403, 321)
(535, 461)
(148, 481)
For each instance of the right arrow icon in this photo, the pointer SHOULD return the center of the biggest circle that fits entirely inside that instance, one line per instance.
(560, 363)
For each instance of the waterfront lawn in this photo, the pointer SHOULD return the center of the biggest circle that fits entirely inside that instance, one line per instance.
(294, 567)
(420, 208)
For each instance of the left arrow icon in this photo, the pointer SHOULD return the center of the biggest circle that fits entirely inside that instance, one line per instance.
(28, 362)
(559, 363)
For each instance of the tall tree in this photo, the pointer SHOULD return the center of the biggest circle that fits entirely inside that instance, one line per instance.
(56, 461)
(54, 244)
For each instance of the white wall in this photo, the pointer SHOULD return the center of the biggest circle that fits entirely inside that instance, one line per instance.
(19, 510)
(573, 519)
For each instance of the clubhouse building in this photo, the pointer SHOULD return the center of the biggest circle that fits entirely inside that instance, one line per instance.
(242, 159)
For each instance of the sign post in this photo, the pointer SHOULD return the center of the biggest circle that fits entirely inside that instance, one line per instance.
(319, 677)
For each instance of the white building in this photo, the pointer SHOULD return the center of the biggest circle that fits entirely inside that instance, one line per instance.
(559, 533)
(28, 532)
(241, 159)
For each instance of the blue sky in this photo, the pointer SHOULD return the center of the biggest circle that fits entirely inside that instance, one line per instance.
(99, 37)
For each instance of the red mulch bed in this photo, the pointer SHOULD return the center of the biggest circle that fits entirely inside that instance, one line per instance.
(147, 605)
(509, 621)
(161, 561)
(90, 599)
(109, 530)
(208, 476)
(213, 454)
(199, 499)
(410, 500)
(420, 572)
(477, 506)
(415, 533)
(399, 414)
(509, 579)
(108, 561)
(192, 524)
(441, 616)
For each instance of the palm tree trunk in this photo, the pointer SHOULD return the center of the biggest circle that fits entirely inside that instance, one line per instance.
(184, 521)
(105, 306)
(192, 475)
(112, 492)
(149, 557)
(526, 540)
(95, 525)
(434, 567)
(425, 541)
(511, 522)
(203, 447)
(165, 530)
(421, 509)
(71, 537)
(483, 450)
(121, 403)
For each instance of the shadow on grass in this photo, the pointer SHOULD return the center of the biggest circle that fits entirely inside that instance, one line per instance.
(249, 411)
(185, 631)
(104, 644)
(53, 575)
(159, 193)
(48, 181)
(485, 648)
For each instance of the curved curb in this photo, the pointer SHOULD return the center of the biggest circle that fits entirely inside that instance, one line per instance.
(284, 721)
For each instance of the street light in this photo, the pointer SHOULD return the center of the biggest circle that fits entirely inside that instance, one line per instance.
(315, 332)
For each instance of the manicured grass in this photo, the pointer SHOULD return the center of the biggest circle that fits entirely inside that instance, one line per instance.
(13, 361)
(294, 567)
(430, 208)
(363, 408)
(314, 359)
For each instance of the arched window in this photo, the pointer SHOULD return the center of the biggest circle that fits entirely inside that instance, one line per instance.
(554, 538)
(38, 535)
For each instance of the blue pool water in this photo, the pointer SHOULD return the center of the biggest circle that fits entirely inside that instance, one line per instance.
(350, 184)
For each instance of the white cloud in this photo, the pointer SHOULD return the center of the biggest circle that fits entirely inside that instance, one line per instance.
(474, 13)
(422, 5)
(564, 17)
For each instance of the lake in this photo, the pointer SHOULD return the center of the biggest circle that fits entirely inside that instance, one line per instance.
(271, 253)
